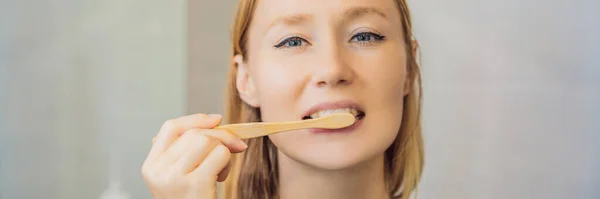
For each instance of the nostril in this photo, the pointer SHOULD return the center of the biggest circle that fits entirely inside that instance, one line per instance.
(334, 82)
(306, 118)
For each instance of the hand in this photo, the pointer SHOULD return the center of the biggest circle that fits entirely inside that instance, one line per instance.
(189, 157)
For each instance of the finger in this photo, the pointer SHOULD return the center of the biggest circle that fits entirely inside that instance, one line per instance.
(232, 142)
(214, 163)
(222, 176)
(195, 144)
(174, 128)
(190, 140)
(191, 150)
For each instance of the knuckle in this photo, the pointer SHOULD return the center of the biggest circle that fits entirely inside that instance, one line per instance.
(207, 140)
(150, 176)
(146, 172)
(198, 140)
(147, 169)
(169, 125)
(202, 136)
(189, 134)
(223, 151)
(195, 134)
(169, 180)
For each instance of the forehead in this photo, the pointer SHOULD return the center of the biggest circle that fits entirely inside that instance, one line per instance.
(271, 11)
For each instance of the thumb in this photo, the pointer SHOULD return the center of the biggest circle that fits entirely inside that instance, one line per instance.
(224, 173)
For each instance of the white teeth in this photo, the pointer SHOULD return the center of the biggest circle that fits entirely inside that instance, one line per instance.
(324, 113)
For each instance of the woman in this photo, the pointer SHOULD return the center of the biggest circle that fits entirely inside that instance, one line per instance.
(292, 59)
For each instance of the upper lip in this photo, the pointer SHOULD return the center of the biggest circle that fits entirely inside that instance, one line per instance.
(333, 105)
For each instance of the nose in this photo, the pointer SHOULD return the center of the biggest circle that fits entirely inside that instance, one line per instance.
(332, 69)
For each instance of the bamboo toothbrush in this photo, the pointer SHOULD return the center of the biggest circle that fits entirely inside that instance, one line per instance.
(257, 129)
(252, 130)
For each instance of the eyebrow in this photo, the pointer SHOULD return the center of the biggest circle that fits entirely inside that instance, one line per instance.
(351, 13)
(294, 19)
(355, 12)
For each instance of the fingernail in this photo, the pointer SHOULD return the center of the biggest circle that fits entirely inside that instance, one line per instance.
(242, 144)
(216, 116)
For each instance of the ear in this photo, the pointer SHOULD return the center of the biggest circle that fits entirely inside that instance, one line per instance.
(408, 83)
(244, 83)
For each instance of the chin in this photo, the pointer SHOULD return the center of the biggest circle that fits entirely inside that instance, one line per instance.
(333, 159)
(333, 154)
(329, 161)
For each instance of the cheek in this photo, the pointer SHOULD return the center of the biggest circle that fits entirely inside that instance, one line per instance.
(279, 87)
(384, 74)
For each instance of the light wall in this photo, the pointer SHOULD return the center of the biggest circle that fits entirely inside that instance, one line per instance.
(512, 98)
(82, 78)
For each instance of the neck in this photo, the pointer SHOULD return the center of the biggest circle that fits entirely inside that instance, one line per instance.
(365, 180)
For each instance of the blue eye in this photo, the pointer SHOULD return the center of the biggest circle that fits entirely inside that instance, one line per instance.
(367, 37)
(292, 42)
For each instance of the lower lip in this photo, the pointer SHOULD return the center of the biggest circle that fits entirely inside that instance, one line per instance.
(342, 130)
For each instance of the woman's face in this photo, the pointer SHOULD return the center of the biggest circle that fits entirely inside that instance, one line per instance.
(306, 56)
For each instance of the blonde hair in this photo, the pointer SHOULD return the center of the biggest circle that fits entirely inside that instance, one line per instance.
(254, 173)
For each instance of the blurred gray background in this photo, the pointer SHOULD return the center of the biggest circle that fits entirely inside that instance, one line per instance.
(512, 93)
